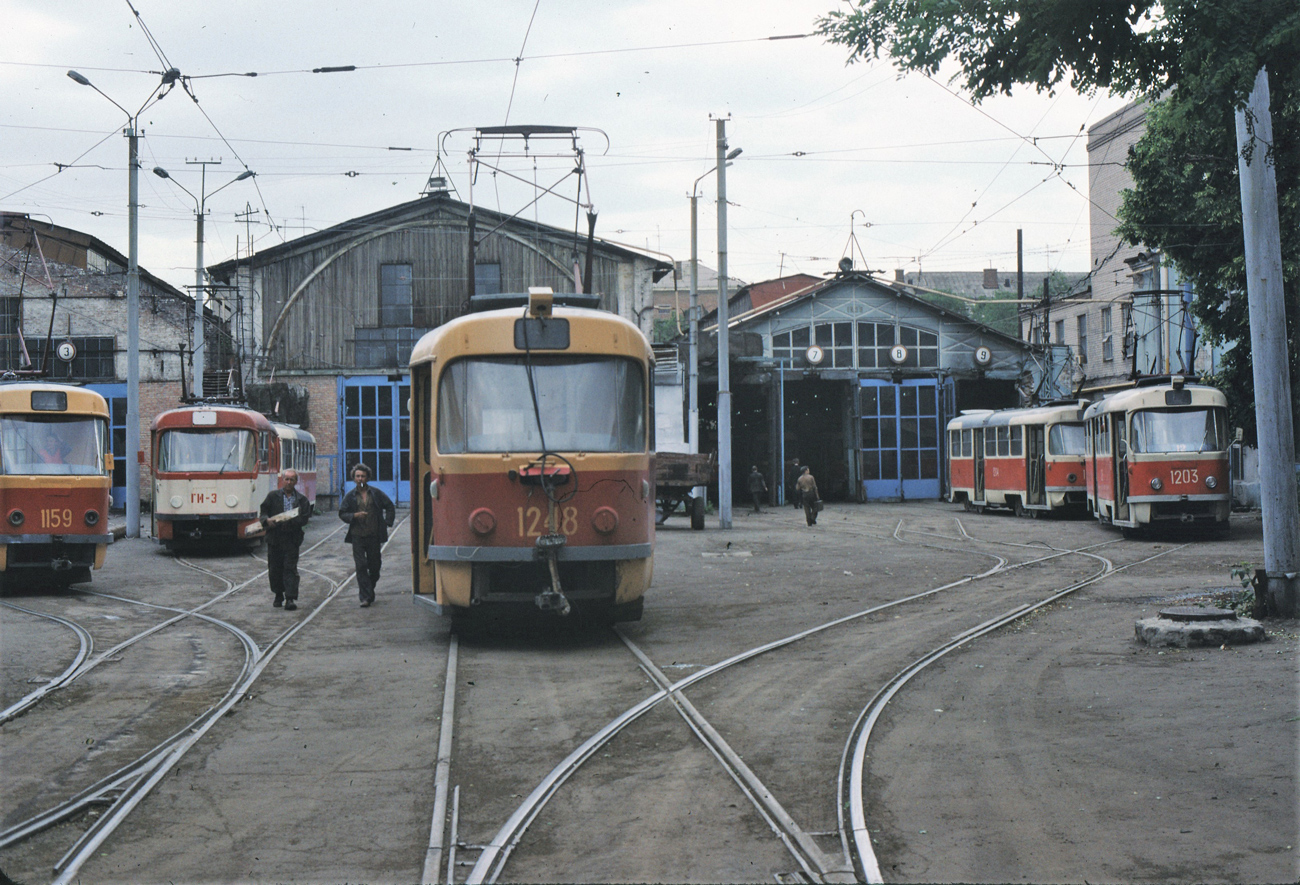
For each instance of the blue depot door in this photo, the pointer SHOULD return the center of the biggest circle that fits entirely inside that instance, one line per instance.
(900, 439)
(374, 424)
(116, 396)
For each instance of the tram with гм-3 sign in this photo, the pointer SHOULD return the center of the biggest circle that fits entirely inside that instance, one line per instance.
(532, 450)
(212, 466)
(55, 476)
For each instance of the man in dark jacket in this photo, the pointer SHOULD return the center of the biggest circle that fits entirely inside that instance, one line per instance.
(284, 537)
(757, 487)
(369, 513)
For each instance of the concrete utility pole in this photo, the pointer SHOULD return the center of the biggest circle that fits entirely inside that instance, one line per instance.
(133, 451)
(724, 334)
(1268, 347)
(133, 454)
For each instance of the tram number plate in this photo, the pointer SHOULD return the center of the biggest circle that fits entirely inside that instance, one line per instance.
(203, 497)
(532, 521)
(1183, 475)
(54, 518)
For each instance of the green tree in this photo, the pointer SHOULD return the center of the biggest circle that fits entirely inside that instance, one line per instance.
(1195, 61)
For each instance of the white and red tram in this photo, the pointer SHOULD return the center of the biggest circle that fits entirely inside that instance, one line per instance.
(1028, 460)
(213, 465)
(1159, 453)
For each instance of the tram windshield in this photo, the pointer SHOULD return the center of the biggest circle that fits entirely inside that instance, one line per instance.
(1067, 439)
(69, 446)
(208, 451)
(584, 405)
(1194, 430)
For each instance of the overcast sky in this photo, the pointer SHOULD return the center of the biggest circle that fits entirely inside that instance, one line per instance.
(927, 179)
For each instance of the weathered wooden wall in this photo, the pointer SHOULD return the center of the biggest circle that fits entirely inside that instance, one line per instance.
(319, 328)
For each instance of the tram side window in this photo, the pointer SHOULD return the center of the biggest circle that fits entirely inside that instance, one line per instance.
(1067, 439)
(954, 443)
(1101, 437)
(1004, 442)
(967, 450)
(1017, 444)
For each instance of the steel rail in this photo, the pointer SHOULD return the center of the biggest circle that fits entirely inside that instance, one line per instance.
(119, 783)
(86, 645)
(442, 773)
(495, 853)
(858, 848)
(136, 793)
(815, 862)
(497, 850)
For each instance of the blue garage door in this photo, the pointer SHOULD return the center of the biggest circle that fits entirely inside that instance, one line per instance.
(116, 396)
(900, 439)
(375, 429)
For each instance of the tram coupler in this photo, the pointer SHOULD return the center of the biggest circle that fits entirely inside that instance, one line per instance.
(60, 565)
(549, 545)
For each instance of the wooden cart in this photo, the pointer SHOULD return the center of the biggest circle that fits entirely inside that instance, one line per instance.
(676, 474)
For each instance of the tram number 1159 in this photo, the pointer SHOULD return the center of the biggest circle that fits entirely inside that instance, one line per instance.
(532, 521)
(54, 518)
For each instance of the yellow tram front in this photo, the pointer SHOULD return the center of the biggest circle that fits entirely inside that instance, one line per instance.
(55, 474)
(531, 449)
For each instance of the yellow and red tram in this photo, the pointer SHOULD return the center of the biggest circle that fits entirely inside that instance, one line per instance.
(213, 465)
(1028, 460)
(1159, 453)
(55, 473)
(532, 456)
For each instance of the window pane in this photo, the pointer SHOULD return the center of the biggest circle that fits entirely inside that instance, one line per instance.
(52, 446)
(584, 405)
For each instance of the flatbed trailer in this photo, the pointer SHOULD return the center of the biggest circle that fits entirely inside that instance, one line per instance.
(677, 474)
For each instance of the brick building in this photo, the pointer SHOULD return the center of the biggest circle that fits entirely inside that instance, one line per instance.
(59, 285)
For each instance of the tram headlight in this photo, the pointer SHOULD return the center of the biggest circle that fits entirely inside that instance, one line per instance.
(1156, 484)
(232, 500)
(1211, 482)
(16, 517)
(604, 520)
(92, 517)
(483, 521)
(175, 501)
(1072, 478)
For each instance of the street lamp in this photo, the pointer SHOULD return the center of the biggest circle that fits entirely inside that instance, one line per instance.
(693, 359)
(724, 340)
(200, 210)
(133, 451)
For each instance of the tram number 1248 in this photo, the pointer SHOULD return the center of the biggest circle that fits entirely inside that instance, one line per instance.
(532, 521)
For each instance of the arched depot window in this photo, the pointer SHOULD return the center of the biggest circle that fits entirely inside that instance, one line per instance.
(871, 345)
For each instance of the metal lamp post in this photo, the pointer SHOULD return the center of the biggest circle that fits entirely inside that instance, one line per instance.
(200, 210)
(693, 365)
(133, 450)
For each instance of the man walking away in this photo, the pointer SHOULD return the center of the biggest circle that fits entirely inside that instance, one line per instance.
(369, 513)
(791, 478)
(807, 487)
(284, 512)
(757, 487)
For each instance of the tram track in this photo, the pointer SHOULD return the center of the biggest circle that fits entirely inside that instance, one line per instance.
(122, 790)
(856, 836)
(814, 863)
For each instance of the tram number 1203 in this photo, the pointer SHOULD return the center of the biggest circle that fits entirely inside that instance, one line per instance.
(1183, 475)
(53, 518)
(532, 521)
